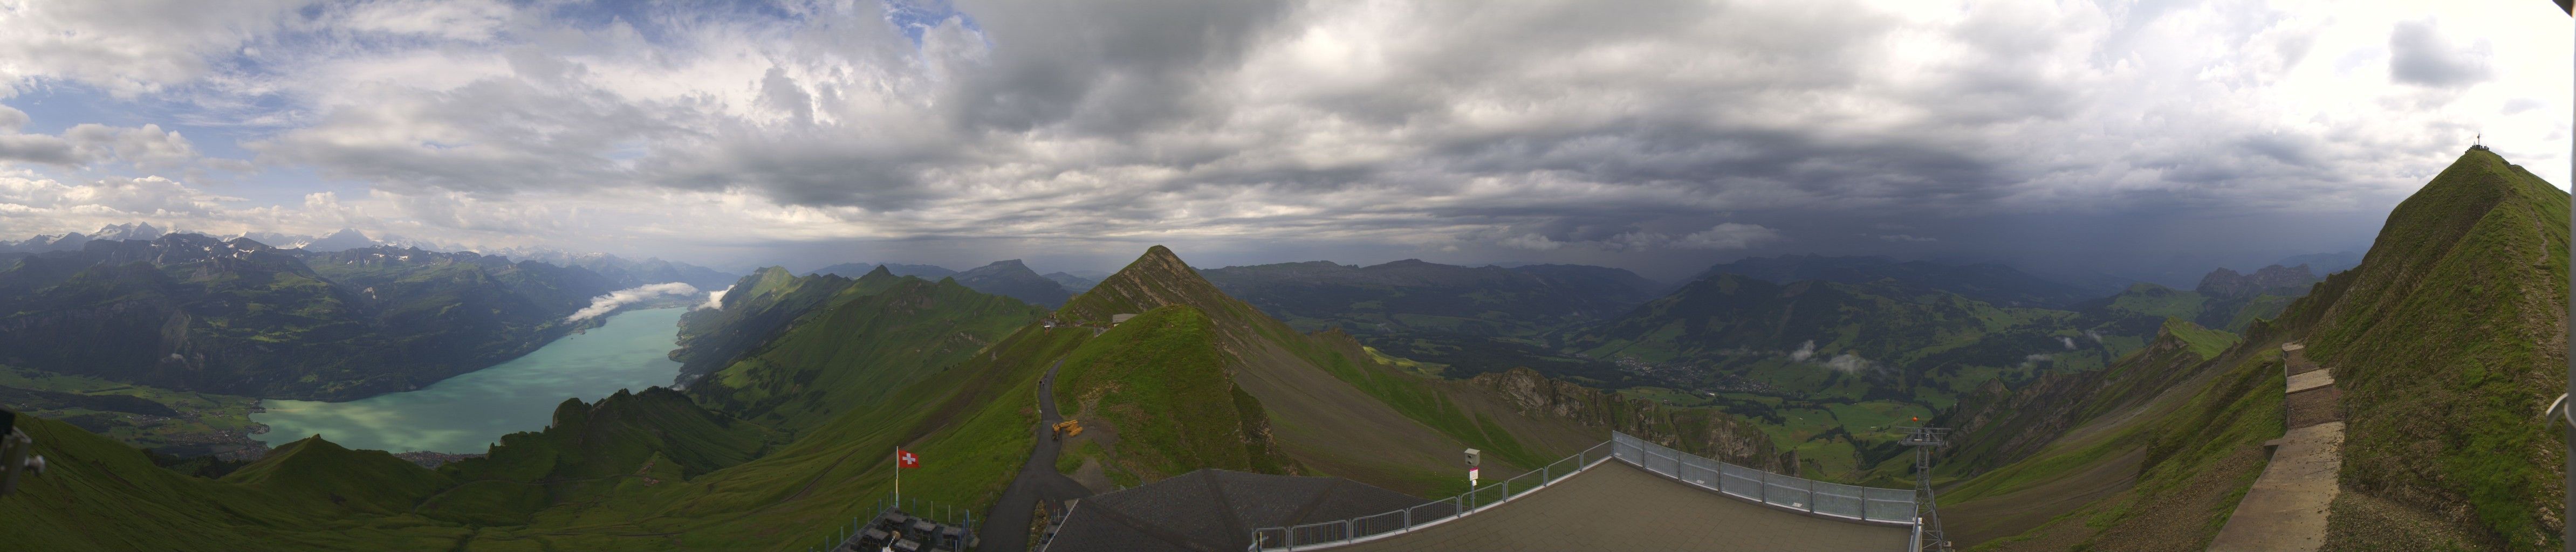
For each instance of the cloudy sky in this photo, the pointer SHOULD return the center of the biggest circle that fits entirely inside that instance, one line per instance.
(2128, 137)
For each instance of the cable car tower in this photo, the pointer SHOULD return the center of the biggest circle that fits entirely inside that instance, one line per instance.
(1925, 440)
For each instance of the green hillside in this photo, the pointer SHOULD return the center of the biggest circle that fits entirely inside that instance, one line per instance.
(120, 501)
(755, 309)
(315, 470)
(588, 450)
(2442, 341)
(2162, 474)
(870, 338)
(2435, 341)
(1158, 381)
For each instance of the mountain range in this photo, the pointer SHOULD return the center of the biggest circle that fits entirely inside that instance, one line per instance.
(195, 313)
(777, 440)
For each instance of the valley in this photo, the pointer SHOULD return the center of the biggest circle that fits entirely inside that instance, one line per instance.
(770, 408)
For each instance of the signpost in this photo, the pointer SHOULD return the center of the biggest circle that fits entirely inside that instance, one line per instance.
(1472, 458)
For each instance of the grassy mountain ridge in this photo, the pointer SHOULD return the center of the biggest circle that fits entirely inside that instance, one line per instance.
(2438, 395)
(590, 449)
(2441, 342)
(369, 481)
(97, 494)
(1159, 381)
(754, 310)
(870, 338)
(1333, 407)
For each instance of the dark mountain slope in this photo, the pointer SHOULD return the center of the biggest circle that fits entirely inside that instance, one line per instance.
(1072, 283)
(1992, 283)
(867, 340)
(189, 312)
(590, 450)
(1998, 425)
(1618, 284)
(754, 310)
(315, 470)
(97, 494)
(1015, 280)
(1416, 296)
(854, 270)
(2273, 280)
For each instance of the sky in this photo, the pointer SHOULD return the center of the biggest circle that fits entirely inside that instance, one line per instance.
(2119, 137)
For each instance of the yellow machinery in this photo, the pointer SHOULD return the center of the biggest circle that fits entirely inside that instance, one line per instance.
(1068, 428)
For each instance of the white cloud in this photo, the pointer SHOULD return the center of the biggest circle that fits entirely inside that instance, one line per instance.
(1532, 242)
(1848, 363)
(1805, 351)
(1906, 238)
(715, 299)
(605, 304)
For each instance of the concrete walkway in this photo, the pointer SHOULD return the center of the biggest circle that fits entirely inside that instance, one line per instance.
(1616, 506)
(2285, 511)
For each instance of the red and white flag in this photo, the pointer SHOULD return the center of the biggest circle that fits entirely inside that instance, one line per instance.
(905, 459)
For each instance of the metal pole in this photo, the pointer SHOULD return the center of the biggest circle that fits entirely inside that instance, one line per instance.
(2569, 538)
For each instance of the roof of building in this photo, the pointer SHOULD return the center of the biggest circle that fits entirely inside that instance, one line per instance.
(1214, 510)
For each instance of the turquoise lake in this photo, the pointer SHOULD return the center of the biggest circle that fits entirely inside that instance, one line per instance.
(467, 413)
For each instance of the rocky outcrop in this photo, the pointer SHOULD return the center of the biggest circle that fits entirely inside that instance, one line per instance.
(1703, 431)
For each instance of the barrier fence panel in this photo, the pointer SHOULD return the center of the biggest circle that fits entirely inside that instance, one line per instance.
(1379, 524)
(1887, 504)
(1743, 482)
(1489, 494)
(1784, 491)
(1844, 501)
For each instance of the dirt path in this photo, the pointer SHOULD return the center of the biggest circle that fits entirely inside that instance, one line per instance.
(1005, 529)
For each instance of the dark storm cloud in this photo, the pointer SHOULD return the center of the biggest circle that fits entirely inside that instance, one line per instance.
(1538, 130)
(2419, 54)
(1107, 67)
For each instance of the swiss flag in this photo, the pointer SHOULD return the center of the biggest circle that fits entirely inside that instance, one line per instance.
(905, 459)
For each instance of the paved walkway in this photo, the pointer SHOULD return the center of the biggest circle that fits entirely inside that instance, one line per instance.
(1006, 528)
(2285, 511)
(1616, 506)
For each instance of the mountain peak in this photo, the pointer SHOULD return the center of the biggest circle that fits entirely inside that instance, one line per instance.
(1013, 279)
(1157, 278)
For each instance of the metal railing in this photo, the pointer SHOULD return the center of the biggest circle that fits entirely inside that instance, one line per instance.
(1429, 513)
(1871, 504)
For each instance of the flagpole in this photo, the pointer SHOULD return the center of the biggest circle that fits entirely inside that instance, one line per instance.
(898, 478)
